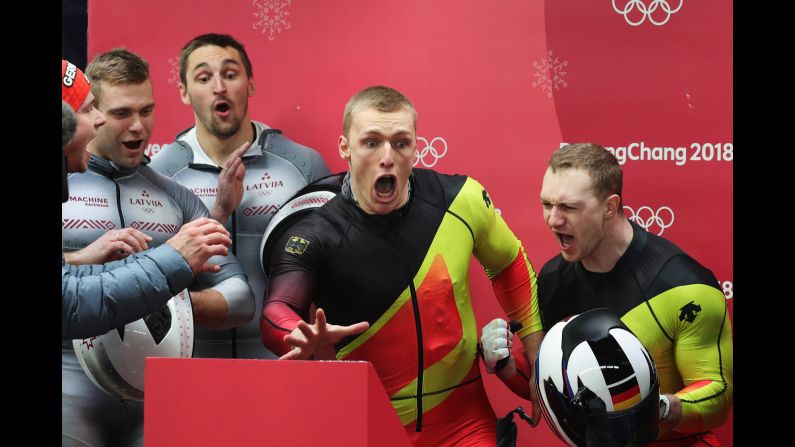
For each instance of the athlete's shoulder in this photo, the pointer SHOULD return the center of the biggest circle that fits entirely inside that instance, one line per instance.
(305, 159)
(450, 183)
(555, 266)
(668, 266)
(444, 189)
(660, 246)
(88, 176)
(681, 270)
(474, 189)
(275, 142)
(173, 188)
(325, 226)
(337, 213)
(173, 158)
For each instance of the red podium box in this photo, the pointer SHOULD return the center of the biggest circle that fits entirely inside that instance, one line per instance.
(236, 402)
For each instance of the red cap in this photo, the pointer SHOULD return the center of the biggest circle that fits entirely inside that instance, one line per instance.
(74, 84)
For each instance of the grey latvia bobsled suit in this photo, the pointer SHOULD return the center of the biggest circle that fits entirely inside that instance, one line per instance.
(276, 168)
(107, 197)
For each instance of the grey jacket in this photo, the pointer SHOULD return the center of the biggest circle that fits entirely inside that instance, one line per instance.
(98, 298)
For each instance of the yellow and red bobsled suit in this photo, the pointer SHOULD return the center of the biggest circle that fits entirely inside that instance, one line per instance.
(674, 307)
(406, 273)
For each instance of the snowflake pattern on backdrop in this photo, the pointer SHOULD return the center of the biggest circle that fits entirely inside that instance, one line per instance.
(271, 16)
(173, 75)
(550, 74)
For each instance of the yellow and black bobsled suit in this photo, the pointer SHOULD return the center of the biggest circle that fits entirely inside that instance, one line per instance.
(406, 273)
(675, 308)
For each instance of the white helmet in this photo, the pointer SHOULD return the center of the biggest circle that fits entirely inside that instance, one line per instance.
(305, 201)
(115, 361)
(596, 383)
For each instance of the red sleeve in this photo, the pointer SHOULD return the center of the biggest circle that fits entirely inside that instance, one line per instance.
(516, 290)
(287, 302)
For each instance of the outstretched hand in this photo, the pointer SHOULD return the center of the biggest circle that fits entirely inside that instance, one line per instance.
(317, 340)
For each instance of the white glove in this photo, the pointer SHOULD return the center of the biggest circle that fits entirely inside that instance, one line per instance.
(496, 339)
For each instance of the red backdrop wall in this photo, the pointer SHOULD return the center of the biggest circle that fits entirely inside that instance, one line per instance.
(498, 86)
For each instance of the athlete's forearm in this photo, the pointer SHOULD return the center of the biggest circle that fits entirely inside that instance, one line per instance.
(288, 301)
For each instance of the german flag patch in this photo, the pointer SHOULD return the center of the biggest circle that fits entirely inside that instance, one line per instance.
(296, 245)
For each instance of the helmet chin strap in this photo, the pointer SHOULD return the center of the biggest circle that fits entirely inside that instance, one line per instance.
(594, 414)
(507, 430)
(587, 401)
(598, 430)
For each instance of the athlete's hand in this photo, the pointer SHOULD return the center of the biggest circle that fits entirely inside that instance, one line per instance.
(230, 185)
(111, 246)
(198, 241)
(318, 339)
(497, 340)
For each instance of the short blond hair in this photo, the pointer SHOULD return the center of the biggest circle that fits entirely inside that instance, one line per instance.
(598, 162)
(379, 97)
(118, 66)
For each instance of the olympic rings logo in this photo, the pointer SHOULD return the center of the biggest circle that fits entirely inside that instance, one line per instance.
(428, 150)
(647, 11)
(647, 217)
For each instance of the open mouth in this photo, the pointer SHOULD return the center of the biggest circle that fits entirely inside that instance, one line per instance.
(222, 107)
(564, 240)
(385, 186)
(132, 145)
